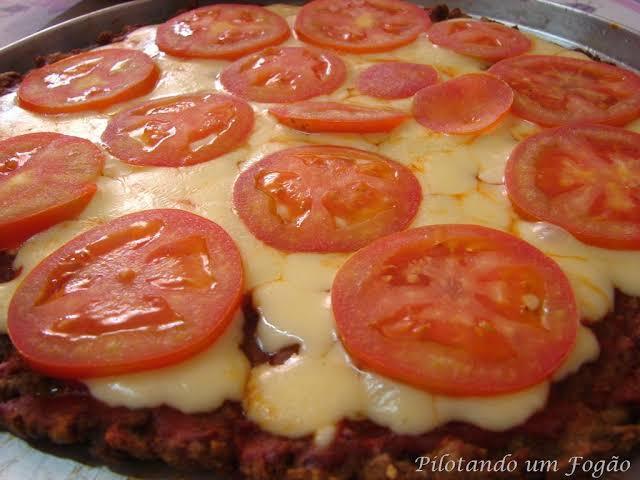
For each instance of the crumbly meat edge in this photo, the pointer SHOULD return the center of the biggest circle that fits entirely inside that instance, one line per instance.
(594, 413)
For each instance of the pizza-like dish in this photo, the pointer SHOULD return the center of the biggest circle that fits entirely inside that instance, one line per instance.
(338, 241)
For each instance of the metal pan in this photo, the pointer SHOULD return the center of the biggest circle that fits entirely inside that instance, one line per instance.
(564, 25)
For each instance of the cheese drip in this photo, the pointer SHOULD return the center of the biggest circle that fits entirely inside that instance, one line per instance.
(199, 384)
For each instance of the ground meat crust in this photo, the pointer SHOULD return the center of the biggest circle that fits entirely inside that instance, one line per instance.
(594, 413)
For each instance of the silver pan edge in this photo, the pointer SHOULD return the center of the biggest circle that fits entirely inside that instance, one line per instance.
(561, 24)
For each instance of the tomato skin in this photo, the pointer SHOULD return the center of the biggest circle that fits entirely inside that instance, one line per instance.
(337, 117)
(275, 30)
(13, 234)
(42, 311)
(69, 166)
(284, 75)
(325, 198)
(596, 162)
(35, 92)
(553, 91)
(201, 115)
(467, 104)
(472, 37)
(355, 27)
(393, 80)
(392, 273)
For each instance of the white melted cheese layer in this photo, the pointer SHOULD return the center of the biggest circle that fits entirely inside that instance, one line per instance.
(284, 398)
(198, 384)
(462, 182)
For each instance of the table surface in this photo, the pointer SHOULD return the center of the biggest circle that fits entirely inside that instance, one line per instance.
(21, 18)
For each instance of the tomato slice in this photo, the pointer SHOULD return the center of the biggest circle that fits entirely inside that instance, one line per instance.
(337, 117)
(45, 178)
(224, 31)
(467, 104)
(144, 291)
(552, 90)
(585, 179)
(284, 75)
(325, 198)
(456, 310)
(88, 81)
(488, 41)
(391, 80)
(178, 131)
(361, 26)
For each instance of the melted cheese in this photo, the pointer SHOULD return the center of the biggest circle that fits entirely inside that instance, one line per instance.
(305, 394)
(295, 309)
(199, 384)
(462, 180)
(593, 272)
(204, 189)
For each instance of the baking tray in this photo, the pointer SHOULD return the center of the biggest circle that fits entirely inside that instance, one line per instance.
(560, 24)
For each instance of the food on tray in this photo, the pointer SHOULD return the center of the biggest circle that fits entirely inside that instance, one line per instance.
(466, 104)
(181, 130)
(222, 31)
(392, 80)
(553, 90)
(88, 81)
(284, 75)
(583, 179)
(135, 294)
(325, 198)
(337, 117)
(455, 309)
(45, 178)
(323, 242)
(359, 27)
(488, 41)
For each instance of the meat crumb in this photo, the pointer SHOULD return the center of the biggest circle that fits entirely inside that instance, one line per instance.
(9, 81)
(440, 13)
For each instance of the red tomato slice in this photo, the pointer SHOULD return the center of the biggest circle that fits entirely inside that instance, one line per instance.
(467, 104)
(488, 41)
(325, 198)
(337, 117)
(393, 80)
(88, 81)
(45, 178)
(144, 291)
(360, 26)
(225, 31)
(178, 131)
(284, 75)
(553, 90)
(585, 179)
(455, 310)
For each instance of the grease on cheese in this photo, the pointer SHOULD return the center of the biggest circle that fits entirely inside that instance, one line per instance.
(462, 180)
